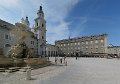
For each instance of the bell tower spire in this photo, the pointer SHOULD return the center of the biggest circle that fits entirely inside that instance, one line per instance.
(40, 12)
(40, 31)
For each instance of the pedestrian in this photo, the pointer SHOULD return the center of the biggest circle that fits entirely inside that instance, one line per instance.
(55, 60)
(48, 58)
(76, 55)
(61, 60)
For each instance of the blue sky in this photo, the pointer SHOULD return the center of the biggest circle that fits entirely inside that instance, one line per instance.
(66, 18)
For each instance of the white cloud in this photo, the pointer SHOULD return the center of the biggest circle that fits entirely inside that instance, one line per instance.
(55, 13)
(58, 32)
(79, 27)
(8, 3)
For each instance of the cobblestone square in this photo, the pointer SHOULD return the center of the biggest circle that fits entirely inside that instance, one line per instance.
(81, 71)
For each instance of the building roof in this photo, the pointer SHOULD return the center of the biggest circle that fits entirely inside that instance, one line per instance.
(51, 45)
(113, 46)
(6, 25)
(82, 37)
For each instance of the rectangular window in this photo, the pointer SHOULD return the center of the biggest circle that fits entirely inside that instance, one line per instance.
(86, 42)
(91, 42)
(102, 41)
(96, 41)
(42, 25)
(32, 42)
(37, 23)
(6, 36)
(42, 37)
(86, 47)
(96, 47)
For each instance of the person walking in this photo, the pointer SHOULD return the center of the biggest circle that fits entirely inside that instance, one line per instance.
(61, 60)
(55, 60)
(76, 56)
(64, 58)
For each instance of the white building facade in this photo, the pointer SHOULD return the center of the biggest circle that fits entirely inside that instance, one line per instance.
(114, 50)
(35, 37)
(51, 50)
(87, 45)
(40, 31)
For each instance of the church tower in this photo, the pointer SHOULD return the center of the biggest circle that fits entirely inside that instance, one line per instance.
(25, 21)
(40, 32)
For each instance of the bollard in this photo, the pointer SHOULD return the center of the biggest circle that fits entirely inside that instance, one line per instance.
(66, 63)
(28, 74)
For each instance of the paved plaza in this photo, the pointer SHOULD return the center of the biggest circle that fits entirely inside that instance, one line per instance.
(81, 71)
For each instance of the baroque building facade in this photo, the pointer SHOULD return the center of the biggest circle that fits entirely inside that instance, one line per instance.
(35, 37)
(87, 45)
(114, 50)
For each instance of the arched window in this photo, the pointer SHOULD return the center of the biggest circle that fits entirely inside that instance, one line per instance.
(42, 37)
(7, 45)
(42, 25)
(37, 23)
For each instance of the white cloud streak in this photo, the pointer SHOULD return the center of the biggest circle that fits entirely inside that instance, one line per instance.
(55, 13)
(8, 3)
(79, 27)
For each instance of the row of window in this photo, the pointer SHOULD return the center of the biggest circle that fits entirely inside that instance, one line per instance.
(78, 43)
(84, 52)
(114, 49)
(38, 24)
(8, 37)
(96, 47)
(8, 45)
